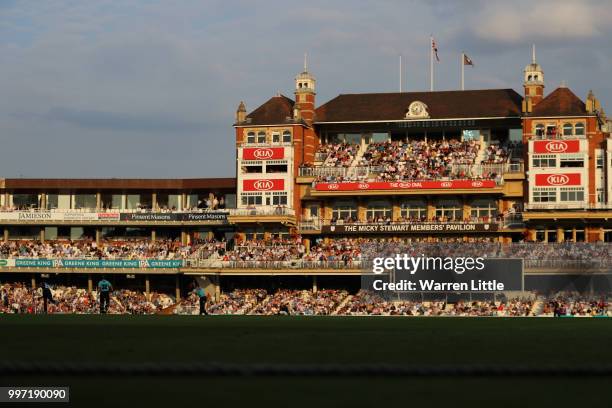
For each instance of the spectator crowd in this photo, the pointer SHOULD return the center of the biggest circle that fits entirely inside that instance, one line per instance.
(17, 298)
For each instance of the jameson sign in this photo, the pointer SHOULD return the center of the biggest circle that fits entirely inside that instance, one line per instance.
(59, 216)
(415, 228)
(203, 216)
(99, 263)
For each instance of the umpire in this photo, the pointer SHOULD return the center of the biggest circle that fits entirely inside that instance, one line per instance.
(105, 288)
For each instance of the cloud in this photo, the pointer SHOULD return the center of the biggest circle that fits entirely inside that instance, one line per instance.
(121, 121)
(511, 22)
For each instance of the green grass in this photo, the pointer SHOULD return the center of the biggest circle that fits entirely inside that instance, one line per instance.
(391, 340)
(252, 339)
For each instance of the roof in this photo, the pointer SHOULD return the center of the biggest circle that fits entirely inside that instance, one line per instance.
(121, 184)
(440, 105)
(560, 102)
(274, 111)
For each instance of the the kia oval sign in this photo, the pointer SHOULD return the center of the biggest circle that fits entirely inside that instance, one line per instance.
(263, 185)
(565, 179)
(263, 153)
(556, 146)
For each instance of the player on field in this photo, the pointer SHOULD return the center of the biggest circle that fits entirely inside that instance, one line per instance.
(202, 296)
(105, 288)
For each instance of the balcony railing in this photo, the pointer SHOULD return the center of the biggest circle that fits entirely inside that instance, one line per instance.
(366, 265)
(261, 211)
(568, 206)
(469, 170)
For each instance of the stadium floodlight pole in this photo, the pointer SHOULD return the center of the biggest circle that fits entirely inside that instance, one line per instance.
(400, 73)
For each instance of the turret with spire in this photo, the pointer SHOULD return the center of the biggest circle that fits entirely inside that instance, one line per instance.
(305, 94)
(533, 83)
(241, 113)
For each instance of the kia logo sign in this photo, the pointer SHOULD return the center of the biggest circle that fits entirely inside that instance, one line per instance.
(557, 179)
(263, 154)
(556, 147)
(263, 185)
(333, 186)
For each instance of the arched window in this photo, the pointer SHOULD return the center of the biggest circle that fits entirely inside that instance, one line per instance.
(579, 129)
(539, 130)
(261, 137)
(286, 136)
(535, 77)
(529, 78)
(568, 129)
(300, 85)
(251, 137)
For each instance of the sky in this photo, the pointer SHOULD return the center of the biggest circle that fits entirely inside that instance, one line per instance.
(149, 89)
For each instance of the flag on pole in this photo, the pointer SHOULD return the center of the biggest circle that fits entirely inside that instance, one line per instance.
(467, 60)
(434, 47)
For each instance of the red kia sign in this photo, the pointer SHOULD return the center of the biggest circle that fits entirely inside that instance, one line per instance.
(263, 185)
(263, 153)
(556, 146)
(405, 185)
(565, 179)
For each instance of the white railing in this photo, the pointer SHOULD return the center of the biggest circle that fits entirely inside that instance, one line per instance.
(325, 171)
(568, 206)
(261, 211)
(529, 264)
(293, 264)
(365, 172)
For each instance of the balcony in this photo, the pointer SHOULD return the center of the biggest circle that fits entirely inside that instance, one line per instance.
(514, 220)
(371, 172)
(568, 206)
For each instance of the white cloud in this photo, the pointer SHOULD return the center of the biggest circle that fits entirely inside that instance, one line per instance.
(512, 22)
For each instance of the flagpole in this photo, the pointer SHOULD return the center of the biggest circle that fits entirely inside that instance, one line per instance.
(463, 71)
(400, 73)
(431, 70)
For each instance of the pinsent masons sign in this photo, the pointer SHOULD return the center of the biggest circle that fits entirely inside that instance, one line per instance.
(263, 153)
(414, 228)
(406, 185)
(160, 217)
